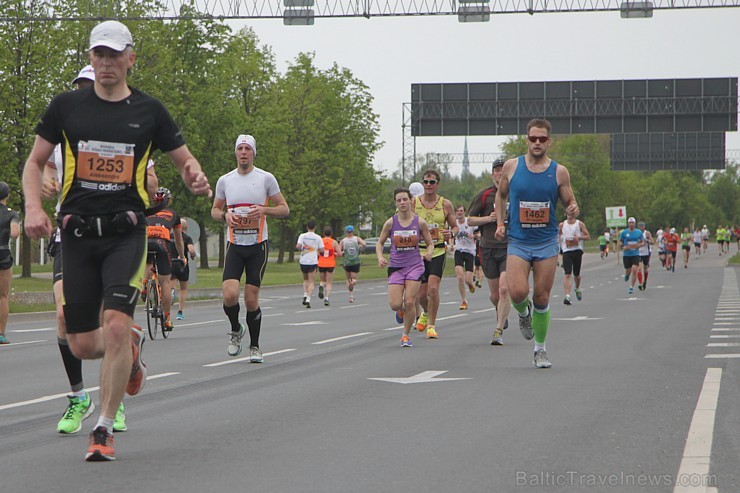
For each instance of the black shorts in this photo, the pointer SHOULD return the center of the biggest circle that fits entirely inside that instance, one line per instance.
(352, 268)
(106, 270)
(673, 253)
(159, 247)
(180, 271)
(57, 273)
(629, 261)
(478, 260)
(434, 267)
(6, 260)
(326, 269)
(697, 245)
(465, 260)
(602, 247)
(494, 262)
(686, 247)
(307, 269)
(250, 260)
(572, 262)
(645, 259)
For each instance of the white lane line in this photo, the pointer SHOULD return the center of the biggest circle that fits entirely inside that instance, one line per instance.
(449, 303)
(354, 306)
(400, 327)
(724, 337)
(726, 329)
(20, 343)
(313, 310)
(45, 329)
(360, 334)
(724, 323)
(726, 318)
(238, 360)
(484, 310)
(272, 314)
(722, 356)
(697, 453)
(223, 320)
(59, 396)
(299, 324)
(723, 344)
(451, 316)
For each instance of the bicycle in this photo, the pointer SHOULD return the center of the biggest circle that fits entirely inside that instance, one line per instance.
(154, 310)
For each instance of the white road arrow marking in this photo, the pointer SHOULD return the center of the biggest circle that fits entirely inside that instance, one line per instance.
(423, 377)
(579, 318)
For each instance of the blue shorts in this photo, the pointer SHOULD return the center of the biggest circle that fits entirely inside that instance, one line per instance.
(533, 252)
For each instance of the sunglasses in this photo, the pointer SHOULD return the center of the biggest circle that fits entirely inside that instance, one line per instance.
(429, 182)
(534, 139)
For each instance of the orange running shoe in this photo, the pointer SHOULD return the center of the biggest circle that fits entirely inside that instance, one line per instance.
(101, 446)
(464, 305)
(138, 368)
(421, 323)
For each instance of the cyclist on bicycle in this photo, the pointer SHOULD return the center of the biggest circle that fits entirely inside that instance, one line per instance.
(161, 226)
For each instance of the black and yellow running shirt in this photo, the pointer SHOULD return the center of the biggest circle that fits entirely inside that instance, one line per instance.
(105, 148)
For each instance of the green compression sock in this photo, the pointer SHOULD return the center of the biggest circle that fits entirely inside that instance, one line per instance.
(521, 307)
(540, 324)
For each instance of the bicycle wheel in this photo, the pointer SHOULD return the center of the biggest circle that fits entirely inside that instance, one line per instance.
(165, 333)
(152, 308)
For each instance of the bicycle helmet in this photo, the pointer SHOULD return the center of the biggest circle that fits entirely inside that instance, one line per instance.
(162, 194)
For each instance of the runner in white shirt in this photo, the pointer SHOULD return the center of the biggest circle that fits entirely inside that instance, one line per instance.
(704, 237)
(310, 245)
(572, 233)
(242, 198)
(464, 255)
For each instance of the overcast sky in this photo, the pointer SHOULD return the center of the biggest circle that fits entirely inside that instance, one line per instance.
(389, 54)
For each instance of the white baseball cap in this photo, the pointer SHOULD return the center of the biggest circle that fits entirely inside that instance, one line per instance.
(246, 139)
(631, 220)
(86, 73)
(416, 189)
(111, 34)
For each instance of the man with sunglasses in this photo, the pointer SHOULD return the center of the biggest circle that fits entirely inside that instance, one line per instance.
(437, 211)
(532, 184)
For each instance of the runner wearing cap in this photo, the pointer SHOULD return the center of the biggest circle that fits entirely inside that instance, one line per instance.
(350, 248)
(671, 240)
(9, 229)
(101, 213)
(631, 239)
(493, 250)
(241, 202)
(79, 403)
(704, 238)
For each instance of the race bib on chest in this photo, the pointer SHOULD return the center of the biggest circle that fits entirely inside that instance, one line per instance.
(534, 214)
(434, 231)
(571, 242)
(405, 240)
(246, 225)
(105, 163)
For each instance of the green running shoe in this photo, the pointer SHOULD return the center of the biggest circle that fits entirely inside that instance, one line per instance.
(119, 425)
(78, 409)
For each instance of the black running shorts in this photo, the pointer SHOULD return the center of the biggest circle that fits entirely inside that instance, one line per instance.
(250, 260)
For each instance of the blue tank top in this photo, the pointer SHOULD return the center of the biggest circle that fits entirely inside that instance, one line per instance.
(532, 201)
(405, 243)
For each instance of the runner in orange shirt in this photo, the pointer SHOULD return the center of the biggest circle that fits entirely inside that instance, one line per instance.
(327, 262)
(671, 244)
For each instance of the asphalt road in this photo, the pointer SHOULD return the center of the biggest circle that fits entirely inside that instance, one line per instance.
(613, 414)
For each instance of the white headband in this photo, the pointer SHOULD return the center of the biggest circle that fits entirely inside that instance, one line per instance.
(246, 139)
